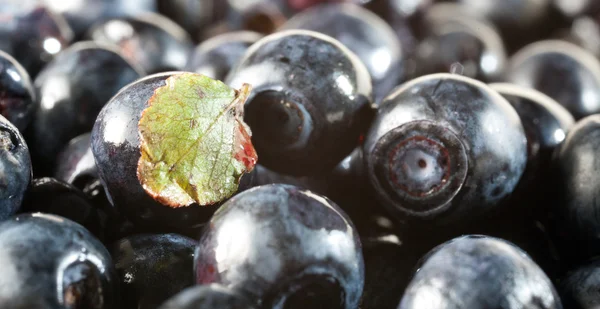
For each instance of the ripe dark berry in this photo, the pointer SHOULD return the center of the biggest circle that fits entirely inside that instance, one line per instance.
(284, 247)
(53, 263)
(479, 272)
(310, 100)
(72, 90)
(444, 147)
(563, 71)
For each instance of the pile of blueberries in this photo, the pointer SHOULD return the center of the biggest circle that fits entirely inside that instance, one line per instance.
(413, 154)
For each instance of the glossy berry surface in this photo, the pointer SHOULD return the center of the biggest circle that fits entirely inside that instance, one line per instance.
(75, 163)
(15, 168)
(17, 97)
(216, 56)
(479, 272)
(72, 90)
(546, 124)
(115, 145)
(365, 34)
(152, 268)
(210, 296)
(32, 33)
(53, 263)
(563, 71)
(310, 100)
(577, 182)
(444, 147)
(149, 40)
(285, 247)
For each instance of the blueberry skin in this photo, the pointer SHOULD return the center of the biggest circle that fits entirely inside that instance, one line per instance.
(577, 184)
(52, 196)
(444, 147)
(17, 98)
(479, 272)
(15, 169)
(327, 95)
(153, 268)
(283, 246)
(210, 296)
(472, 42)
(546, 125)
(579, 289)
(75, 163)
(49, 262)
(150, 40)
(216, 56)
(34, 34)
(81, 15)
(72, 90)
(115, 145)
(365, 34)
(563, 71)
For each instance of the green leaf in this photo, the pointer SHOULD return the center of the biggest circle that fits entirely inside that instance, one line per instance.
(194, 144)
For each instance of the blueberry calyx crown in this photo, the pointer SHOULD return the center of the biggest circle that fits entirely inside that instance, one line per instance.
(419, 166)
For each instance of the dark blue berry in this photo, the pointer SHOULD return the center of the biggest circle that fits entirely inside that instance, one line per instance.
(49, 262)
(285, 247)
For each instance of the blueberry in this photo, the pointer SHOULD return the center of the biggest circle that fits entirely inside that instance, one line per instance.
(563, 71)
(115, 145)
(444, 147)
(310, 100)
(75, 163)
(577, 185)
(546, 124)
(470, 41)
(365, 34)
(210, 296)
(579, 289)
(479, 272)
(17, 98)
(216, 56)
(52, 196)
(152, 268)
(285, 247)
(15, 169)
(585, 32)
(72, 90)
(149, 40)
(82, 14)
(49, 262)
(33, 34)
